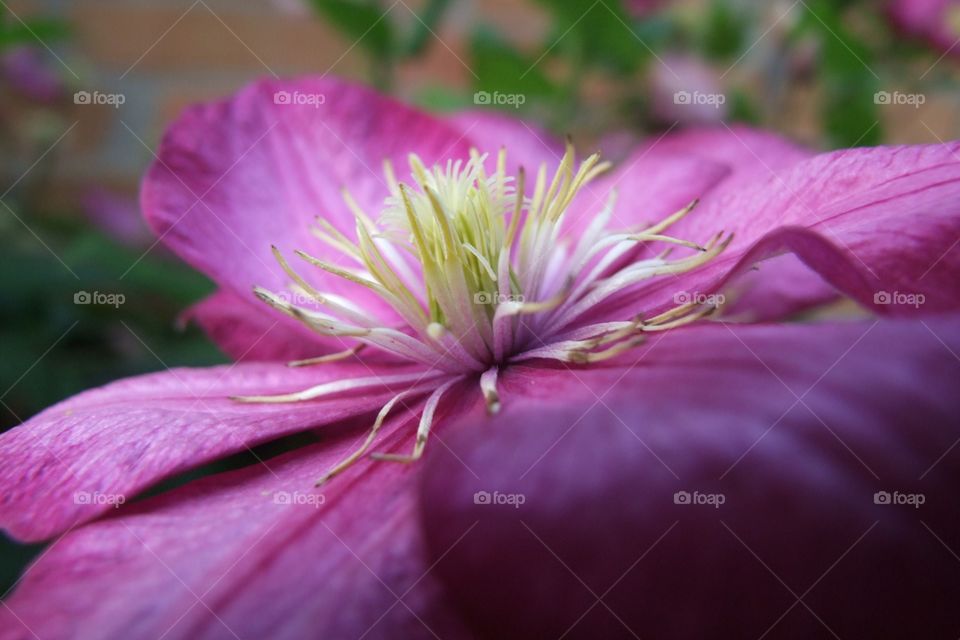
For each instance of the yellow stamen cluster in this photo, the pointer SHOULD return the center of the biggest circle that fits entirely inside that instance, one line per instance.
(482, 276)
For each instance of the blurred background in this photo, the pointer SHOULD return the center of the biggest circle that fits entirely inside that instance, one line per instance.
(87, 87)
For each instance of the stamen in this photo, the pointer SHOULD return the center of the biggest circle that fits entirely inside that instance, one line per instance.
(353, 457)
(426, 421)
(488, 386)
(331, 388)
(477, 271)
(333, 357)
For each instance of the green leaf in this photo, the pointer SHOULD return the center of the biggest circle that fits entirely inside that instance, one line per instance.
(502, 69)
(425, 27)
(602, 33)
(32, 31)
(742, 108)
(849, 112)
(724, 31)
(367, 23)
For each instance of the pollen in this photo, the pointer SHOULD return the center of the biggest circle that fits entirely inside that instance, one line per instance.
(482, 271)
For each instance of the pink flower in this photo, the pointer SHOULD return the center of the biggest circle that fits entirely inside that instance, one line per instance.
(115, 215)
(685, 90)
(602, 460)
(643, 8)
(28, 73)
(936, 21)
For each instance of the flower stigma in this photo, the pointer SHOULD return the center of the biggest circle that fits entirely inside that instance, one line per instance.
(480, 274)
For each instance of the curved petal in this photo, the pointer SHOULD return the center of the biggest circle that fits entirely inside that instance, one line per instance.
(749, 153)
(666, 173)
(782, 287)
(886, 215)
(725, 481)
(62, 466)
(648, 187)
(234, 177)
(254, 553)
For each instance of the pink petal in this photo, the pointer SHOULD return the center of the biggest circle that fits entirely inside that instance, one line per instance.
(220, 557)
(528, 145)
(783, 287)
(749, 153)
(668, 172)
(649, 187)
(796, 426)
(234, 177)
(886, 221)
(122, 438)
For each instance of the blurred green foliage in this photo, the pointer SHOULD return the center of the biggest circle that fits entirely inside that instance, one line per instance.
(760, 55)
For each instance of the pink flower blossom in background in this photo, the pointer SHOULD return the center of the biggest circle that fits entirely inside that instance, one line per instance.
(644, 8)
(936, 21)
(685, 90)
(116, 215)
(605, 455)
(26, 71)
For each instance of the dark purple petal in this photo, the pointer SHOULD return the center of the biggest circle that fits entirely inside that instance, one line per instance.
(796, 427)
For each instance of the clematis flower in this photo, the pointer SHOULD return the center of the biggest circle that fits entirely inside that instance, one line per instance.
(936, 21)
(529, 413)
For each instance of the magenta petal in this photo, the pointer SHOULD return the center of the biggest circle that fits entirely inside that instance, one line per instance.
(886, 221)
(122, 438)
(649, 187)
(750, 154)
(257, 553)
(528, 145)
(782, 287)
(666, 173)
(236, 176)
(797, 427)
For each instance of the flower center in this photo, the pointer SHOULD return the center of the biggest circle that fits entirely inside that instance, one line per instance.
(481, 274)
